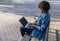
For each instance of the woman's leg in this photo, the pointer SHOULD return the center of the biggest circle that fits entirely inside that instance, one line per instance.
(23, 30)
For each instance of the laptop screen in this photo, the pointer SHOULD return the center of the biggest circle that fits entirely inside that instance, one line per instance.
(23, 21)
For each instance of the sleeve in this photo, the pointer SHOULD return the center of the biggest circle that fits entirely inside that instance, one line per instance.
(44, 23)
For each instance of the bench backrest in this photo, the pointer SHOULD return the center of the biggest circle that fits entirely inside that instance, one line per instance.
(46, 34)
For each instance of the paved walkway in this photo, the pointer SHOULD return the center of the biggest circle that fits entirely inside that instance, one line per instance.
(9, 28)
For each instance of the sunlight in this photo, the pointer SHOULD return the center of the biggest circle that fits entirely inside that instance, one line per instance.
(6, 6)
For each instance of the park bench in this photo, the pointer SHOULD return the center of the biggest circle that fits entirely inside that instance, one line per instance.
(29, 38)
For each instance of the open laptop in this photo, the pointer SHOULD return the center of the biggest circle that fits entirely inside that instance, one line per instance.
(24, 22)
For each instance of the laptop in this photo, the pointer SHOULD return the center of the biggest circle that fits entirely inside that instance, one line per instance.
(24, 22)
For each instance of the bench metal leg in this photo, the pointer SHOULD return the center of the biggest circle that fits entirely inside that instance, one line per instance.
(34, 39)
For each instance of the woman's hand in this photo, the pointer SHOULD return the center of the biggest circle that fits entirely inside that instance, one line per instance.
(33, 23)
(35, 26)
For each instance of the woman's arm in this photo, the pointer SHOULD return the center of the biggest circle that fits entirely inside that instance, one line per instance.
(45, 21)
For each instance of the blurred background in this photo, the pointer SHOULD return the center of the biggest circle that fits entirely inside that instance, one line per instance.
(12, 10)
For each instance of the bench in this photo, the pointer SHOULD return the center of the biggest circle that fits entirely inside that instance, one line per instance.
(29, 38)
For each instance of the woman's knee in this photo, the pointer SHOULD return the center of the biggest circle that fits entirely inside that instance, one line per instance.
(21, 28)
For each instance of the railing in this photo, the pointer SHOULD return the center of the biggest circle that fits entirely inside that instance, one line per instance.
(57, 33)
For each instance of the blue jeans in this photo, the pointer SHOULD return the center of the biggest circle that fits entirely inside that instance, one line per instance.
(23, 30)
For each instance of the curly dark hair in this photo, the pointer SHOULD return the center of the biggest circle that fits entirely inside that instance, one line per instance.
(44, 5)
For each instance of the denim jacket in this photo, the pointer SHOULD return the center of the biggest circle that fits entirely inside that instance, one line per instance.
(42, 23)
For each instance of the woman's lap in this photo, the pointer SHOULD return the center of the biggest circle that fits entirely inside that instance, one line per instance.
(26, 29)
(23, 30)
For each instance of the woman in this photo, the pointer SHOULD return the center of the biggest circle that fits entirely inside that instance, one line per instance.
(42, 23)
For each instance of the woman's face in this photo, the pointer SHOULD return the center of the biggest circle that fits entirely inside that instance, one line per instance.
(41, 10)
